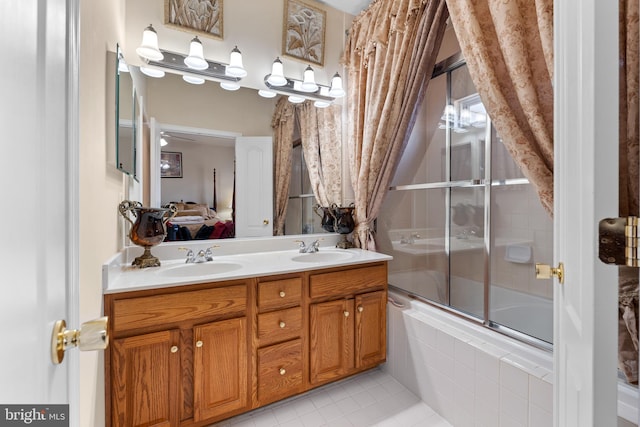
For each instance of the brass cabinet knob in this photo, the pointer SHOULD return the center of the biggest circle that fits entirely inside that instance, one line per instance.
(360, 309)
(265, 221)
(346, 314)
(198, 343)
(283, 371)
(282, 325)
(545, 271)
(174, 349)
(282, 294)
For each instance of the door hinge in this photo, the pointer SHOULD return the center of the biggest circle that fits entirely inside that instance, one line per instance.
(618, 241)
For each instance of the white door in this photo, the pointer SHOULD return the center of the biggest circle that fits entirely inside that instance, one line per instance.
(586, 180)
(40, 200)
(254, 187)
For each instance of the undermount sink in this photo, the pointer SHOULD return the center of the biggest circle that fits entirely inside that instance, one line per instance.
(199, 269)
(323, 257)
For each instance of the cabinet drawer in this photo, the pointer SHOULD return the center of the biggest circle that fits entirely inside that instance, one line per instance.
(279, 293)
(279, 371)
(279, 325)
(347, 282)
(165, 310)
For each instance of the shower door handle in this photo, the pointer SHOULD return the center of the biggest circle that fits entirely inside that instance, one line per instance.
(544, 271)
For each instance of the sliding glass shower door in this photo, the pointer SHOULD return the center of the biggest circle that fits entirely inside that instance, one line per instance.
(461, 221)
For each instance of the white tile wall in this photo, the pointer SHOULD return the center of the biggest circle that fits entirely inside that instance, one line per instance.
(466, 377)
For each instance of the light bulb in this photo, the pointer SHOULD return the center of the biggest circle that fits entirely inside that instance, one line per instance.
(276, 78)
(193, 79)
(149, 48)
(196, 59)
(235, 68)
(336, 86)
(309, 81)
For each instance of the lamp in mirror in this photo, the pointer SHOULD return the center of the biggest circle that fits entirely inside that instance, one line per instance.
(301, 90)
(194, 67)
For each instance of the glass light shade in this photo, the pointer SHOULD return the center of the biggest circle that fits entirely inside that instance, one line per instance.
(235, 68)
(193, 80)
(309, 80)
(196, 59)
(266, 93)
(229, 85)
(296, 99)
(321, 104)
(163, 142)
(276, 78)
(122, 66)
(149, 48)
(152, 72)
(336, 86)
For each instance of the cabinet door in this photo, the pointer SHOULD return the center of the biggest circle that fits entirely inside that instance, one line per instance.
(220, 368)
(331, 343)
(371, 326)
(145, 380)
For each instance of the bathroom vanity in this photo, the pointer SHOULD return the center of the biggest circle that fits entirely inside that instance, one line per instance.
(192, 350)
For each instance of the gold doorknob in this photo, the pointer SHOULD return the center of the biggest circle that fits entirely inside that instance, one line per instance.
(198, 343)
(360, 309)
(544, 271)
(282, 294)
(282, 325)
(265, 221)
(282, 371)
(92, 335)
(346, 314)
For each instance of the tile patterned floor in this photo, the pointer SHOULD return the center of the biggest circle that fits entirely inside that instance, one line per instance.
(370, 399)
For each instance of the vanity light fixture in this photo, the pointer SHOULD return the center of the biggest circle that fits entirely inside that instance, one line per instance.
(300, 90)
(194, 68)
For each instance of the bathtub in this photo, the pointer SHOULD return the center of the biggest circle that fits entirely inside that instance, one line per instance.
(472, 375)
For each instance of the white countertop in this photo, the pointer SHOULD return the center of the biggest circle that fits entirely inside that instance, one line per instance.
(122, 277)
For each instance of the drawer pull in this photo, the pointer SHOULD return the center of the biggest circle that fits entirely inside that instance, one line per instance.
(282, 325)
(283, 371)
(198, 343)
(360, 309)
(346, 314)
(282, 294)
(174, 349)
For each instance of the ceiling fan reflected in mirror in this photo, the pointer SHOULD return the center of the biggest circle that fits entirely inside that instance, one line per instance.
(165, 137)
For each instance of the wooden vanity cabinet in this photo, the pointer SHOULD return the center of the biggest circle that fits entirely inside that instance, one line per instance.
(179, 356)
(347, 325)
(194, 355)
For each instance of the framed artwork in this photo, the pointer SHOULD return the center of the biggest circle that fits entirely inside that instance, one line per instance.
(170, 164)
(203, 17)
(303, 32)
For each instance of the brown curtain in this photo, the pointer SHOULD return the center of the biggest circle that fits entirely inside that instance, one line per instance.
(390, 54)
(283, 124)
(508, 46)
(321, 135)
(628, 196)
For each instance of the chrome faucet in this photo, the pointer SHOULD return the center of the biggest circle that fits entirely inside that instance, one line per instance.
(203, 255)
(312, 248)
(411, 240)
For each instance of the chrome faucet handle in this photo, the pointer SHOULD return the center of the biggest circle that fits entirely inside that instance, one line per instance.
(190, 257)
(301, 245)
(208, 253)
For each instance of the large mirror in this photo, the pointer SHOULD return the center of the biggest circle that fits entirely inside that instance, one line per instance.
(127, 109)
(197, 126)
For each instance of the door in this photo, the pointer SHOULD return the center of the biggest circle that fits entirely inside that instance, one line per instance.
(220, 368)
(254, 187)
(332, 338)
(39, 180)
(371, 329)
(146, 378)
(586, 180)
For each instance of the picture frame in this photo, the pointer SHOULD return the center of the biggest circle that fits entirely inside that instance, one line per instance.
(206, 20)
(170, 164)
(303, 32)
